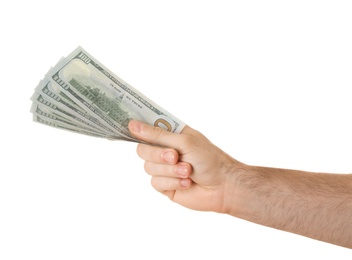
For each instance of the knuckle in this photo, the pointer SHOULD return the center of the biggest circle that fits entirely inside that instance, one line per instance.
(147, 168)
(154, 183)
(157, 133)
(139, 150)
(189, 140)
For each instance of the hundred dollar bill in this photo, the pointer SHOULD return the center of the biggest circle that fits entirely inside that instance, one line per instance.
(81, 95)
(66, 107)
(48, 122)
(106, 97)
(49, 115)
(72, 115)
(54, 91)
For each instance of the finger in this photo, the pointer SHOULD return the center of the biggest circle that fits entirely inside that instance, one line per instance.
(180, 170)
(164, 184)
(157, 154)
(157, 135)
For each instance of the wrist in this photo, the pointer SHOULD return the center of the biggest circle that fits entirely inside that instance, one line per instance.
(238, 198)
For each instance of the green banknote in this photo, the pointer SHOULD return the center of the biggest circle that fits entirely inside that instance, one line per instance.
(81, 95)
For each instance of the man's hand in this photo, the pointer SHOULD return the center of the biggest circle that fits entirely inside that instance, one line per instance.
(186, 167)
(193, 172)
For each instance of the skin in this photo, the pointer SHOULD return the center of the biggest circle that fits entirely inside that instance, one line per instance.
(193, 172)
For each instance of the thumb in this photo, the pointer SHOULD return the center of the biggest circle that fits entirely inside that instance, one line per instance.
(153, 135)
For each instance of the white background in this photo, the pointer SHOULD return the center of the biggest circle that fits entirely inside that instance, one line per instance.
(267, 81)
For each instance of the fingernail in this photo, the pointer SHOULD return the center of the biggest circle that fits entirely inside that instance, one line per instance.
(182, 170)
(135, 126)
(184, 182)
(169, 157)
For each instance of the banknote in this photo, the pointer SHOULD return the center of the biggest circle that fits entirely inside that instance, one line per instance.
(81, 95)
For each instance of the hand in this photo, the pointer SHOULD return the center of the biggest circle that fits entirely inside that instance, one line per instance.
(193, 172)
(186, 167)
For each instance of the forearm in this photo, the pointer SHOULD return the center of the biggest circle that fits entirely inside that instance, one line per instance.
(316, 205)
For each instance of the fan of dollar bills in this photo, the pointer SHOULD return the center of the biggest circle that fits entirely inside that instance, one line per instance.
(81, 95)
